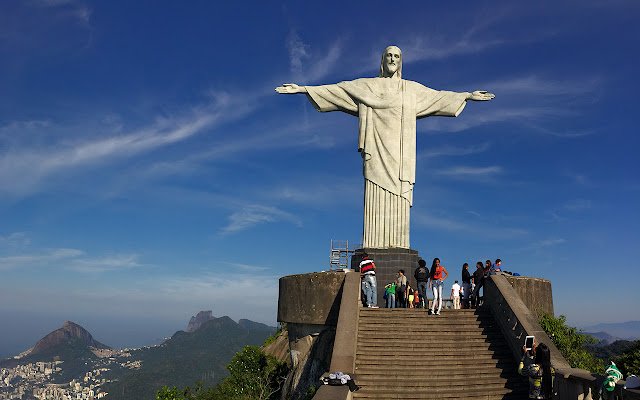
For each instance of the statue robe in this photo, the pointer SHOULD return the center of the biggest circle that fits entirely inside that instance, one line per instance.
(387, 110)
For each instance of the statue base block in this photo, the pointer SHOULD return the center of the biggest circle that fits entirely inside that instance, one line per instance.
(388, 262)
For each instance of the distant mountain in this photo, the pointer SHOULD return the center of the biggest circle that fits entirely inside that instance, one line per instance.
(610, 351)
(69, 332)
(71, 343)
(188, 357)
(197, 321)
(629, 330)
(603, 337)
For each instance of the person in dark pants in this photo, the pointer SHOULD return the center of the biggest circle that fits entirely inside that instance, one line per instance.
(466, 285)
(401, 289)
(422, 278)
(478, 280)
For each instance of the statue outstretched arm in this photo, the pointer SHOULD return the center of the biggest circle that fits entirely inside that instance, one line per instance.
(291, 88)
(480, 95)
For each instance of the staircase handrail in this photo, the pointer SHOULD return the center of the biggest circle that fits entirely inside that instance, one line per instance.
(517, 321)
(343, 357)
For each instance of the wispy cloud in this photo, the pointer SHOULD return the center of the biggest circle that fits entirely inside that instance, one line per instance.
(449, 224)
(39, 259)
(467, 172)
(34, 165)
(307, 65)
(297, 52)
(103, 264)
(253, 215)
(577, 205)
(449, 150)
(15, 239)
(537, 86)
(319, 194)
(541, 245)
(246, 267)
(490, 115)
(20, 254)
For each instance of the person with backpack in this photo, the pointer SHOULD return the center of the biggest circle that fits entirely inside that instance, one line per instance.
(540, 372)
(437, 276)
(422, 278)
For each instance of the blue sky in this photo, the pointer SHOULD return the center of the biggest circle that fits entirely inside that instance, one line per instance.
(148, 170)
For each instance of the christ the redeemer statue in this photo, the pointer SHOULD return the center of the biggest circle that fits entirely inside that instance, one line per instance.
(387, 108)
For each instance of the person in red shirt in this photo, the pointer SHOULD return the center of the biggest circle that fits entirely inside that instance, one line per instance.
(437, 274)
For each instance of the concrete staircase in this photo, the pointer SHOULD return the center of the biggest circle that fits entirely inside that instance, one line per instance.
(460, 354)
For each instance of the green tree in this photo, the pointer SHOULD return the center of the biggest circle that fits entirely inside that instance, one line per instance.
(253, 375)
(198, 393)
(571, 343)
(629, 361)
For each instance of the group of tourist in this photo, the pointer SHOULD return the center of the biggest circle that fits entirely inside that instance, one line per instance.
(536, 361)
(400, 294)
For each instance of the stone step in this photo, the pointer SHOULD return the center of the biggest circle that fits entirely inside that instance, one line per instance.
(436, 383)
(467, 359)
(434, 364)
(427, 324)
(449, 372)
(430, 335)
(424, 316)
(451, 391)
(430, 342)
(368, 355)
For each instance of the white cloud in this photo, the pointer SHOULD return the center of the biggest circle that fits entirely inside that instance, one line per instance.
(35, 164)
(103, 264)
(470, 172)
(464, 226)
(533, 85)
(297, 52)
(541, 245)
(307, 66)
(15, 239)
(39, 259)
(453, 151)
(65, 258)
(577, 205)
(253, 215)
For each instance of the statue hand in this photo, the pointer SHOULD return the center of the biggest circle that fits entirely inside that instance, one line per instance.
(481, 95)
(290, 88)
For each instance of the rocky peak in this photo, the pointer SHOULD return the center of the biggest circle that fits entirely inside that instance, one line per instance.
(70, 331)
(200, 318)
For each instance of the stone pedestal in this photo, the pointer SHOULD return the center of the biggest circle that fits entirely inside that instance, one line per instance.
(388, 262)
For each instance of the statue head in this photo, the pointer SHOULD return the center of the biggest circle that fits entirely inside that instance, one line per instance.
(391, 63)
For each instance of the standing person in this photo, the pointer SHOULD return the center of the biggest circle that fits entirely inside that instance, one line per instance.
(478, 281)
(390, 291)
(455, 295)
(540, 372)
(422, 278)
(369, 285)
(466, 285)
(437, 274)
(487, 267)
(401, 289)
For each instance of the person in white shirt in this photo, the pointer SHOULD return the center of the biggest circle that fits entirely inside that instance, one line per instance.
(455, 295)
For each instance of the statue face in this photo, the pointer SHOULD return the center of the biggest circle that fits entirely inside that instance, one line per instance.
(391, 61)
